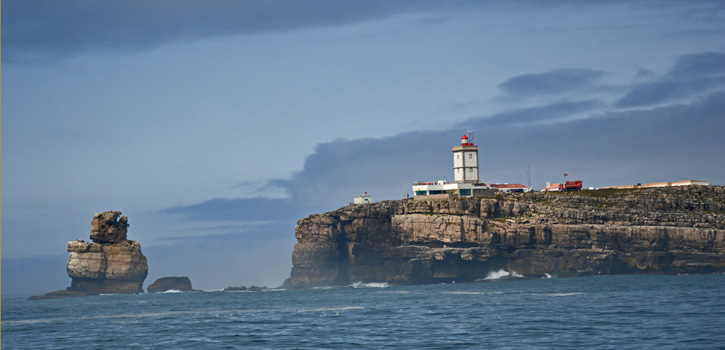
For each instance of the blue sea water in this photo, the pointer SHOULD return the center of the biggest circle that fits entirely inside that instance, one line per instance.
(604, 312)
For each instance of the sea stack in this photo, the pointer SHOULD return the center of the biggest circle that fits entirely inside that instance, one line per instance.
(112, 264)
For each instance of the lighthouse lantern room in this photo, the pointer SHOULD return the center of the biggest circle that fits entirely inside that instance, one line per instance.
(465, 161)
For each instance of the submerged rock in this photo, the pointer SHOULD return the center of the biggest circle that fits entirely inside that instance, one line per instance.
(182, 284)
(655, 231)
(244, 289)
(111, 265)
(236, 289)
(63, 293)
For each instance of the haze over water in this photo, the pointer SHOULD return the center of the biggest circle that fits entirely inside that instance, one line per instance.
(616, 312)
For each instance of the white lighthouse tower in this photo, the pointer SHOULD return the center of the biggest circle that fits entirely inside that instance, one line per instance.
(465, 161)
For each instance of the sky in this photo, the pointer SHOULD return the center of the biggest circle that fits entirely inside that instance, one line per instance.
(215, 126)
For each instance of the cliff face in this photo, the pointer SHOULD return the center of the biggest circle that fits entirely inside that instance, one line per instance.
(664, 230)
(112, 264)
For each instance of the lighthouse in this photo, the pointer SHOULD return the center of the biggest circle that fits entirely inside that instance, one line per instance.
(465, 174)
(465, 161)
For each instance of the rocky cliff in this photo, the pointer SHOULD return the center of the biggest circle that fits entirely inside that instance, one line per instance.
(111, 264)
(657, 231)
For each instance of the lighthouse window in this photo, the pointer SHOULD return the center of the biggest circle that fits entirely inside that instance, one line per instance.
(458, 156)
(470, 156)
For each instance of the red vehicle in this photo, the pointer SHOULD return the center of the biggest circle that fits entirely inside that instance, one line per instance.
(571, 186)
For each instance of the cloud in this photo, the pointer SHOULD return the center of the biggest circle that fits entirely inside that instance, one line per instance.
(38, 29)
(553, 112)
(552, 82)
(261, 188)
(698, 65)
(599, 143)
(648, 145)
(236, 209)
(692, 75)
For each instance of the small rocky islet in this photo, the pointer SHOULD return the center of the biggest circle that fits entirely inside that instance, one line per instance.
(165, 284)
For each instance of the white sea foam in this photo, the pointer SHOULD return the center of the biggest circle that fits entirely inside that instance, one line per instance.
(172, 313)
(323, 287)
(472, 293)
(546, 275)
(494, 275)
(339, 308)
(370, 285)
(35, 321)
(172, 291)
(138, 315)
(563, 294)
(394, 291)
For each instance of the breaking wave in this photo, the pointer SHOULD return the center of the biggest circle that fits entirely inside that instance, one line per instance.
(323, 287)
(563, 294)
(334, 308)
(370, 285)
(495, 275)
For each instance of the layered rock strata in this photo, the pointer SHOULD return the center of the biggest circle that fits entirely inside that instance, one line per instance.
(112, 264)
(653, 231)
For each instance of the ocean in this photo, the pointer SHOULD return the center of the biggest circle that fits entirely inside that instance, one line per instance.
(503, 312)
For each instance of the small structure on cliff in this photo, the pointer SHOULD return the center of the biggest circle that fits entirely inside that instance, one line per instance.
(508, 188)
(661, 184)
(112, 264)
(364, 199)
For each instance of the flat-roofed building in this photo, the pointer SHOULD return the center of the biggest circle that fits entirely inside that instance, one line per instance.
(364, 199)
(442, 187)
(660, 184)
(690, 183)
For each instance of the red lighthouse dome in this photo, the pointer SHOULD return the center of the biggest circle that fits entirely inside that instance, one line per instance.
(464, 141)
